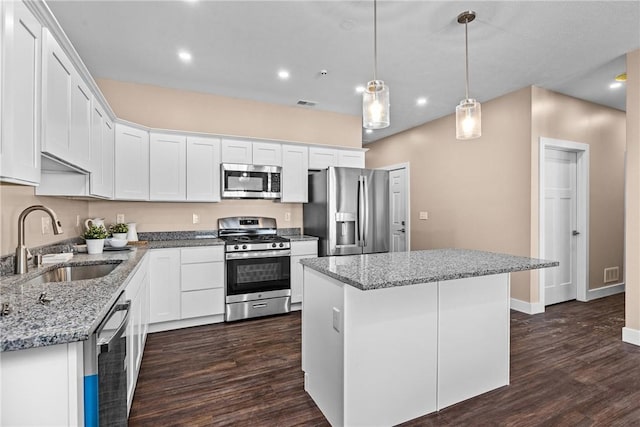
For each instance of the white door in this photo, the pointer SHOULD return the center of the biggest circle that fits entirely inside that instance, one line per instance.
(398, 209)
(560, 225)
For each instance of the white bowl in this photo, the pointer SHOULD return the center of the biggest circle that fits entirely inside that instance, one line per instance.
(118, 243)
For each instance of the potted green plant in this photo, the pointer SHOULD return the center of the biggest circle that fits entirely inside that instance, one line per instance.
(119, 230)
(94, 236)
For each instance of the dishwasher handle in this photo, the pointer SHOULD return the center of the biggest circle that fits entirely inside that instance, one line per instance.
(106, 344)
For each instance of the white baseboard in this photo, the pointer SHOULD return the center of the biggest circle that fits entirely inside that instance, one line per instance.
(632, 336)
(186, 323)
(527, 307)
(605, 291)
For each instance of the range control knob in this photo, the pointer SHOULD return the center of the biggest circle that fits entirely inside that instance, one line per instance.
(244, 246)
(281, 244)
(236, 247)
(273, 245)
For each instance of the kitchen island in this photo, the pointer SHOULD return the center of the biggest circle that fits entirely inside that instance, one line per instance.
(390, 337)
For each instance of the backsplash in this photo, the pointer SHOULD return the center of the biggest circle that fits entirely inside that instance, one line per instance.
(7, 262)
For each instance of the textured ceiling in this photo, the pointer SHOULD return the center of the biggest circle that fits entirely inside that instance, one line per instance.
(238, 47)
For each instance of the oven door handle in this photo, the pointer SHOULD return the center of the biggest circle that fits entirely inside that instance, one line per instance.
(258, 254)
(106, 344)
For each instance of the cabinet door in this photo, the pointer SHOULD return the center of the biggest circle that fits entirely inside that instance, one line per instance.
(167, 167)
(295, 171)
(57, 84)
(267, 153)
(322, 158)
(351, 159)
(80, 124)
(102, 141)
(300, 250)
(20, 94)
(206, 302)
(236, 151)
(164, 292)
(131, 163)
(203, 169)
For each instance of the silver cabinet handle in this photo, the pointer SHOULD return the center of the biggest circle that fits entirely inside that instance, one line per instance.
(575, 232)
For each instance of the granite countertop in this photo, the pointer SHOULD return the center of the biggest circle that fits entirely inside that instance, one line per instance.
(385, 270)
(77, 307)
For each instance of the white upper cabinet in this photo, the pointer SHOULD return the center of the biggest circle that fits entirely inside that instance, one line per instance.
(167, 167)
(237, 151)
(322, 158)
(351, 159)
(102, 149)
(80, 125)
(295, 171)
(57, 79)
(203, 169)
(20, 52)
(132, 163)
(267, 153)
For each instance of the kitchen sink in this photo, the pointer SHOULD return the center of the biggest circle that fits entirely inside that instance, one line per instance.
(74, 272)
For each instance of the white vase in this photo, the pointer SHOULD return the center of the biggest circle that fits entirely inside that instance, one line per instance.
(95, 246)
(132, 234)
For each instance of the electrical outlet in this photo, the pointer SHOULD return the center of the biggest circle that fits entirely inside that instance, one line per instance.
(120, 218)
(287, 216)
(196, 218)
(424, 215)
(46, 225)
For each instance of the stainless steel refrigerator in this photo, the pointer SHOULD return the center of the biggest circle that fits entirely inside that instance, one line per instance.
(348, 211)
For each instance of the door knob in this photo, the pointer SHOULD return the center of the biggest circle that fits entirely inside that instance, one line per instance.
(575, 232)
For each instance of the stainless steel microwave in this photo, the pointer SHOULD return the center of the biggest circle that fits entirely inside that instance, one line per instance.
(250, 181)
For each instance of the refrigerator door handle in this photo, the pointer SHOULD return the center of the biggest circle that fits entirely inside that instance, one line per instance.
(361, 211)
(367, 211)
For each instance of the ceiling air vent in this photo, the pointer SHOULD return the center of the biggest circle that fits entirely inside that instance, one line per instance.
(306, 103)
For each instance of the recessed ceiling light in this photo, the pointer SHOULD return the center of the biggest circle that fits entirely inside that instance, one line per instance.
(615, 85)
(421, 101)
(369, 131)
(184, 56)
(283, 74)
(359, 89)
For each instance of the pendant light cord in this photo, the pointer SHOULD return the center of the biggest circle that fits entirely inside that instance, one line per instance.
(375, 40)
(466, 57)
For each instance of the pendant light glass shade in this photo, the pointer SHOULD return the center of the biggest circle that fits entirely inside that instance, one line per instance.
(468, 119)
(375, 98)
(468, 112)
(375, 105)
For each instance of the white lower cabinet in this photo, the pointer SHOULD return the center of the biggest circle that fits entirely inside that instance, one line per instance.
(300, 250)
(137, 291)
(164, 290)
(189, 284)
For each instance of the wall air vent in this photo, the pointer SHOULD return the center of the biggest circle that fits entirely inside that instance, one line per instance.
(611, 274)
(306, 103)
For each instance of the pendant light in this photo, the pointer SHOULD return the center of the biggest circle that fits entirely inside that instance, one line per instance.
(468, 113)
(375, 98)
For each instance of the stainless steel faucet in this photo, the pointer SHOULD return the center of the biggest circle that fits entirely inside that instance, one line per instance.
(22, 253)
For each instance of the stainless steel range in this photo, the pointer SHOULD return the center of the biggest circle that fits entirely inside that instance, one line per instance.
(257, 268)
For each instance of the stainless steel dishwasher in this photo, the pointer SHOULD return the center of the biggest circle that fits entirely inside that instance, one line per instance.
(105, 369)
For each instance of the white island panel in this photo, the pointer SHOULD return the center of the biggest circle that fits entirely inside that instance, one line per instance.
(390, 355)
(473, 338)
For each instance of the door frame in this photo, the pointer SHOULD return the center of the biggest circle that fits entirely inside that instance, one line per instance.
(582, 212)
(407, 201)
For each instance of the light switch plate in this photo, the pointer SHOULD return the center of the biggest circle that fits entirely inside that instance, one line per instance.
(46, 225)
(287, 216)
(424, 215)
(196, 218)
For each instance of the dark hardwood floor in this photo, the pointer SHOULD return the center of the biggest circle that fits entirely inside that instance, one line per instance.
(569, 367)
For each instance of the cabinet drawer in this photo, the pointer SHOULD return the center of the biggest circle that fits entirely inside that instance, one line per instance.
(307, 247)
(204, 275)
(202, 303)
(204, 254)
